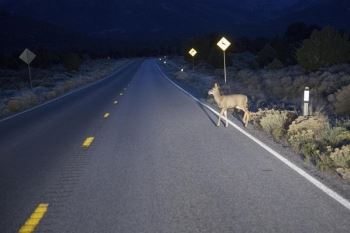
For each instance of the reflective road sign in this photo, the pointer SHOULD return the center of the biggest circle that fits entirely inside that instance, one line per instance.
(192, 52)
(223, 43)
(27, 56)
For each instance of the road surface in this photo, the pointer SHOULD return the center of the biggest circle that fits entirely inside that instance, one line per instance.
(157, 164)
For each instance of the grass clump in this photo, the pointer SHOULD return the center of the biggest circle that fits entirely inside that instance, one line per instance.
(341, 157)
(337, 136)
(317, 125)
(306, 135)
(25, 100)
(14, 105)
(273, 121)
(341, 160)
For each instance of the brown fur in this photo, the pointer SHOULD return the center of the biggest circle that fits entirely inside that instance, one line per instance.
(226, 102)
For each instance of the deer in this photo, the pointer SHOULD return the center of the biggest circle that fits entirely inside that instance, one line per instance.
(226, 102)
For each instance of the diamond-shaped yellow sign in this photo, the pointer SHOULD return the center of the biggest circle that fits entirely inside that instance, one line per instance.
(192, 52)
(223, 43)
(27, 56)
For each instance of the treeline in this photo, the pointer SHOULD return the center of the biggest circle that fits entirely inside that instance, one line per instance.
(72, 58)
(56, 45)
(310, 46)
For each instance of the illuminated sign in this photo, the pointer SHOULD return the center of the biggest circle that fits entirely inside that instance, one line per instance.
(223, 43)
(192, 52)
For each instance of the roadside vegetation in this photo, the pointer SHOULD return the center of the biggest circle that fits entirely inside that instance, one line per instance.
(274, 73)
(50, 82)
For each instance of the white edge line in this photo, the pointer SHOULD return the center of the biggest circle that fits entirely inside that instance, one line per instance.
(300, 171)
(66, 94)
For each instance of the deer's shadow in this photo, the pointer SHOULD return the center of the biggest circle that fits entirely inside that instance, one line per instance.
(210, 116)
(235, 113)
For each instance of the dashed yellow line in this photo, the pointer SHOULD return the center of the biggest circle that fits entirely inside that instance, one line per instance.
(34, 219)
(106, 115)
(88, 142)
(115, 102)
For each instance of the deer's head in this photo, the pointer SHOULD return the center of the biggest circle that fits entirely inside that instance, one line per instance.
(214, 90)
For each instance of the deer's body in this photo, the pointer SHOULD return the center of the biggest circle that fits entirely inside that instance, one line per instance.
(226, 102)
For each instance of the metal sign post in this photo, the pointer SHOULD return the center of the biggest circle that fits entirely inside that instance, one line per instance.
(225, 66)
(193, 53)
(28, 56)
(30, 77)
(224, 44)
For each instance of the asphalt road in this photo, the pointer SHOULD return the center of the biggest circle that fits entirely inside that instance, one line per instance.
(157, 164)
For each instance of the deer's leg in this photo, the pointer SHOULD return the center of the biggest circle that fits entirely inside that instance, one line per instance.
(226, 118)
(246, 116)
(221, 112)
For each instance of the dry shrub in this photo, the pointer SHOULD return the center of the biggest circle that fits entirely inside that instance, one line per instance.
(59, 89)
(325, 163)
(306, 135)
(340, 101)
(300, 138)
(311, 151)
(274, 122)
(337, 136)
(344, 172)
(50, 95)
(90, 78)
(14, 105)
(255, 117)
(68, 85)
(318, 125)
(27, 99)
(78, 82)
(341, 157)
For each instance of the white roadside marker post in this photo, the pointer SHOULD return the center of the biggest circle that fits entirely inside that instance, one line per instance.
(224, 44)
(193, 53)
(306, 101)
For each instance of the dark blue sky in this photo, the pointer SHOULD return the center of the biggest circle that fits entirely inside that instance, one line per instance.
(167, 18)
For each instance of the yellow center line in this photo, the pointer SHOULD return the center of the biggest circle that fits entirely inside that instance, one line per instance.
(34, 219)
(106, 115)
(88, 142)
